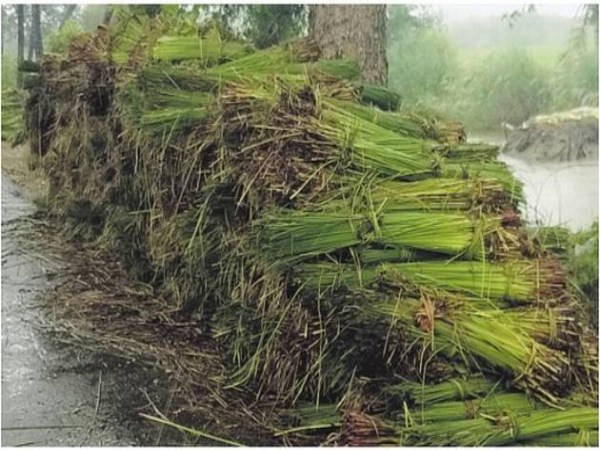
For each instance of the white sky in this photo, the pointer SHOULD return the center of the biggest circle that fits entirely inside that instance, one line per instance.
(454, 12)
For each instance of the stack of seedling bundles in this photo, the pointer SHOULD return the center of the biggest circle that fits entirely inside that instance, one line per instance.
(365, 262)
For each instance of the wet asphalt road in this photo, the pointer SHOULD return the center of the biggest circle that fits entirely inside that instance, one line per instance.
(57, 395)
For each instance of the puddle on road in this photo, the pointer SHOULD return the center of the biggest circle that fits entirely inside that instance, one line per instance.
(51, 393)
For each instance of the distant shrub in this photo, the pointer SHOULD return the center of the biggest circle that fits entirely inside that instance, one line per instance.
(421, 65)
(58, 41)
(9, 71)
(505, 86)
(582, 264)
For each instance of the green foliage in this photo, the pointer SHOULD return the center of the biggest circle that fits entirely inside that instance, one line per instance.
(58, 41)
(505, 86)
(423, 64)
(582, 264)
(576, 76)
(262, 25)
(485, 72)
(267, 25)
(9, 71)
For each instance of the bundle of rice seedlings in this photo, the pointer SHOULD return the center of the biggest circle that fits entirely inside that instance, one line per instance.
(583, 438)
(295, 235)
(372, 256)
(320, 277)
(481, 337)
(208, 49)
(490, 405)
(449, 390)
(168, 109)
(383, 98)
(166, 76)
(372, 147)
(295, 60)
(131, 36)
(312, 417)
(543, 424)
(445, 233)
(441, 194)
(502, 428)
(472, 152)
(496, 170)
(518, 281)
(405, 124)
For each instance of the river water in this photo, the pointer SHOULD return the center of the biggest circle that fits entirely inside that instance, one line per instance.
(556, 193)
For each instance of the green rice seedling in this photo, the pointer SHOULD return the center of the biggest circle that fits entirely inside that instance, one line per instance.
(480, 338)
(515, 281)
(546, 423)
(472, 152)
(394, 254)
(372, 147)
(311, 417)
(296, 235)
(409, 125)
(285, 61)
(490, 405)
(583, 438)
(468, 432)
(437, 233)
(343, 69)
(208, 49)
(501, 429)
(383, 98)
(293, 235)
(452, 389)
(158, 76)
(440, 194)
(495, 170)
(320, 277)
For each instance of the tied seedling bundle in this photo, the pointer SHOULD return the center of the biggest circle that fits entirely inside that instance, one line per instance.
(336, 251)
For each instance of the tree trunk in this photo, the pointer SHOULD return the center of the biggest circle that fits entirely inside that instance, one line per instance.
(3, 27)
(36, 35)
(70, 9)
(107, 15)
(20, 42)
(353, 31)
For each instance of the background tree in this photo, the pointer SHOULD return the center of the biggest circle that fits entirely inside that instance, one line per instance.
(37, 42)
(20, 41)
(69, 10)
(353, 31)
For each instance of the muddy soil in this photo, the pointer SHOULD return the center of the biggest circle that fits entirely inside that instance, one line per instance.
(55, 394)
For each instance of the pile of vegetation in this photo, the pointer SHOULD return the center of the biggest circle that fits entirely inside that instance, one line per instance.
(364, 269)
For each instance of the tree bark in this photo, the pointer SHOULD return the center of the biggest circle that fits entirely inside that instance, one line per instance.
(353, 31)
(38, 45)
(20, 42)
